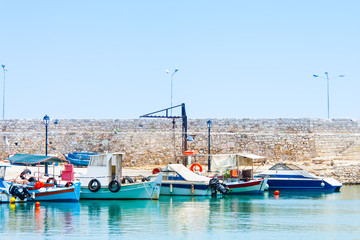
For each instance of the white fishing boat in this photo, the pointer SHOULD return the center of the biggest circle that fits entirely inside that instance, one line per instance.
(178, 180)
(104, 180)
(236, 173)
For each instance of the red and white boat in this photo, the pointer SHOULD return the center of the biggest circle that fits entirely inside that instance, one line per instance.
(236, 176)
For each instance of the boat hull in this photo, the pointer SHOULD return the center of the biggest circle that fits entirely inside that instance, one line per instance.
(302, 184)
(61, 194)
(184, 188)
(256, 186)
(144, 190)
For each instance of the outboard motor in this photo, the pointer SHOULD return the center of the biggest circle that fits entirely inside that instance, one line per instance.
(20, 192)
(216, 186)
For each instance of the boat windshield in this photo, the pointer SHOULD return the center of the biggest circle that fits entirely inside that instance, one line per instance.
(284, 166)
(2, 172)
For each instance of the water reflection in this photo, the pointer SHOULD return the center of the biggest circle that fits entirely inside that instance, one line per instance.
(320, 215)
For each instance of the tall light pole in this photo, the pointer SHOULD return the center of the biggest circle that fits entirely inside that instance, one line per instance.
(209, 122)
(3, 66)
(328, 89)
(46, 120)
(171, 79)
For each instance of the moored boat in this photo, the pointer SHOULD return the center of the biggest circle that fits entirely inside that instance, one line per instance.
(291, 177)
(178, 180)
(104, 180)
(39, 187)
(239, 181)
(80, 159)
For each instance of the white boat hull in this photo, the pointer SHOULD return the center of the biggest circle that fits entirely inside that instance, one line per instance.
(255, 186)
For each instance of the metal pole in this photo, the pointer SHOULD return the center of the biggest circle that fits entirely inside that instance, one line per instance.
(209, 160)
(3, 66)
(328, 93)
(46, 149)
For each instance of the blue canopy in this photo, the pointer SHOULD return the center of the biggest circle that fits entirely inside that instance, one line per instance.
(30, 159)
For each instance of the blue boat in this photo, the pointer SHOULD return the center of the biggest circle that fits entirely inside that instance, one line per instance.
(79, 158)
(283, 176)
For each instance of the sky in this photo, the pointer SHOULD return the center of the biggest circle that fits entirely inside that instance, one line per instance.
(236, 58)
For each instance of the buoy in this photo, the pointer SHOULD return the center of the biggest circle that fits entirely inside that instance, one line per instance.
(322, 184)
(192, 189)
(276, 192)
(171, 188)
(12, 200)
(37, 204)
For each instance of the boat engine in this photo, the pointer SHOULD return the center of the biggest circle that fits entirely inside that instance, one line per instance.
(19, 191)
(216, 186)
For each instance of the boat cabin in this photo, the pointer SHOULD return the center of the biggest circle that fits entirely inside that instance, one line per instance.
(104, 168)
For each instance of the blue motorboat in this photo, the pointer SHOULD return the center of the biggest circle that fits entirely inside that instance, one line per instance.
(79, 158)
(283, 176)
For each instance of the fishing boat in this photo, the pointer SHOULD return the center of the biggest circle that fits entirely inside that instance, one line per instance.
(178, 180)
(104, 180)
(236, 173)
(39, 187)
(80, 159)
(291, 177)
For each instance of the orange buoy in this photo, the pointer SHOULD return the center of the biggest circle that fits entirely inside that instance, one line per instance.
(276, 192)
(37, 204)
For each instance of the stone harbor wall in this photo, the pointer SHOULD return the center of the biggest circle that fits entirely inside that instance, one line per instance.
(325, 147)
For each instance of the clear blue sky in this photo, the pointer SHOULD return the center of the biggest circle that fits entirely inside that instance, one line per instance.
(237, 58)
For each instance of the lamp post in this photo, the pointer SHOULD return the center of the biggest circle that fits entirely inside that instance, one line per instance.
(3, 66)
(171, 79)
(328, 89)
(46, 120)
(209, 122)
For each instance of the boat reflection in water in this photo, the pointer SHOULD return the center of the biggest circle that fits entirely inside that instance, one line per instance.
(290, 215)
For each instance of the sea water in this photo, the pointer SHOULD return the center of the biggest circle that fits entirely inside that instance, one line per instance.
(291, 215)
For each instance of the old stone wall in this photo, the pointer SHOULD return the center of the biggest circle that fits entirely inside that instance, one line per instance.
(329, 147)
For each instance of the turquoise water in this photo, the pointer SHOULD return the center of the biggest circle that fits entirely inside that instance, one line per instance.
(291, 216)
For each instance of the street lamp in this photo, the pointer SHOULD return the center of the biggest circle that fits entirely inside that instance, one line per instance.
(46, 120)
(171, 79)
(3, 66)
(328, 92)
(209, 122)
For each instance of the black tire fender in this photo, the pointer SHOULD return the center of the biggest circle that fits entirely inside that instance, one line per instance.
(94, 185)
(51, 179)
(114, 186)
(25, 172)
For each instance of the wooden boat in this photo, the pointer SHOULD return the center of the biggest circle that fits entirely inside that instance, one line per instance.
(239, 181)
(104, 180)
(81, 159)
(178, 180)
(40, 187)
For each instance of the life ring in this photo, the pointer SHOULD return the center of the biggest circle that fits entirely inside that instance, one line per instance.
(23, 173)
(69, 184)
(114, 186)
(196, 165)
(156, 170)
(51, 180)
(94, 185)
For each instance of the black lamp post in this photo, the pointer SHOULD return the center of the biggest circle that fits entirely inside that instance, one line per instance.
(209, 159)
(46, 122)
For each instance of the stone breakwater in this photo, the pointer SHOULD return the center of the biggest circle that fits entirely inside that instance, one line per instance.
(329, 148)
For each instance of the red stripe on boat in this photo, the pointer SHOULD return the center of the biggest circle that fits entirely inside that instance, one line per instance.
(53, 193)
(249, 184)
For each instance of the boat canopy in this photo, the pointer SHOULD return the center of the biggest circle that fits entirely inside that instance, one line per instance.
(223, 161)
(30, 159)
